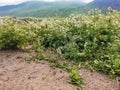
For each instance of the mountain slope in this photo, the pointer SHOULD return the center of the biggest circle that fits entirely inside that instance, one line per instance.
(41, 9)
(104, 4)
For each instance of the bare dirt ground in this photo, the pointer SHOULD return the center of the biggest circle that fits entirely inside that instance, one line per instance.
(18, 75)
(98, 81)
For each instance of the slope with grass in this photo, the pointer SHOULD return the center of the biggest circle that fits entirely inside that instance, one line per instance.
(102, 5)
(56, 9)
(41, 9)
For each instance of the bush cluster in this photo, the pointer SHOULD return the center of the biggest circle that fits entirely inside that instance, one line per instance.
(94, 38)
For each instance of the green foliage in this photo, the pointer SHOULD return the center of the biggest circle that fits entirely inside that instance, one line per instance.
(116, 67)
(80, 88)
(49, 33)
(111, 67)
(70, 51)
(54, 40)
(93, 38)
(75, 78)
(12, 35)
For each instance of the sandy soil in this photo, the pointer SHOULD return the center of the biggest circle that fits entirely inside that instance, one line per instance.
(98, 81)
(17, 75)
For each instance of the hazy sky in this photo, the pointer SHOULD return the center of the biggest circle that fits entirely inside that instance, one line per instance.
(8, 2)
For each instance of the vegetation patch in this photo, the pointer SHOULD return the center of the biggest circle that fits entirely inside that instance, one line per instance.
(92, 39)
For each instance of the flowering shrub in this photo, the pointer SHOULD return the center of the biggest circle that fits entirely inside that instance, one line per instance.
(13, 35)
(94, 37)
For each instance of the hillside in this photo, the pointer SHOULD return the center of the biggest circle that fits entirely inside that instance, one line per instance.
(41, 9)
(53, 9)
(103, 4)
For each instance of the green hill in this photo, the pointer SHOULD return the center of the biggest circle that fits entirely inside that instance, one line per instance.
(103, 5)
(53, 9)
(41, 9)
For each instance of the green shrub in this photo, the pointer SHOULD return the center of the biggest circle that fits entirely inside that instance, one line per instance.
(55, 40)
(13, 37)
(71, 51)
(94, 38)
(75, 78)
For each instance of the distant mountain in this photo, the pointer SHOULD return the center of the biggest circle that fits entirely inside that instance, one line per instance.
(103, 4)
(41, 9)
(52, 9)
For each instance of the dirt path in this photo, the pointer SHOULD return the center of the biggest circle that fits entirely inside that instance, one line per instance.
(17, 75)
